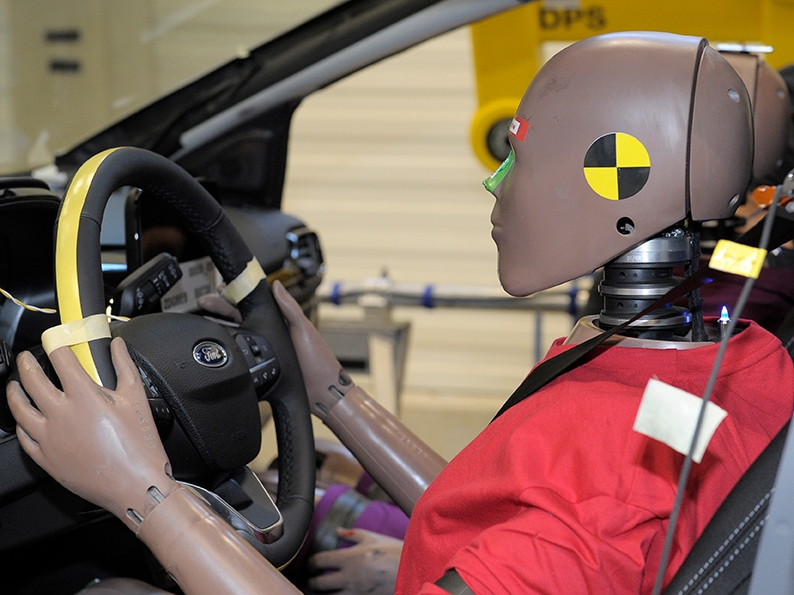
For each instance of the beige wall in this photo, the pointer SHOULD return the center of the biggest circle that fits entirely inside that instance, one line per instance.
(128, 53)
(380, 164)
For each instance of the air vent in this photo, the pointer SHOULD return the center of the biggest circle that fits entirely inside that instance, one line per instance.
(305, 252)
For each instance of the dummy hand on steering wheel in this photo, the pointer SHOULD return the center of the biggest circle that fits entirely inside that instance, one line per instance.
(101, 444)
(369, 566)
(319, 366)
(394, 456)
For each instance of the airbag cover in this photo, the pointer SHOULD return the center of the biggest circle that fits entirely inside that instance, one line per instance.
(214, 404)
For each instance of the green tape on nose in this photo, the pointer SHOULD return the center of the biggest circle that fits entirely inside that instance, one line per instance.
(492, 181)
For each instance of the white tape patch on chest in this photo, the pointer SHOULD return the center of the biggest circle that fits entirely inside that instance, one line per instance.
(669, 414)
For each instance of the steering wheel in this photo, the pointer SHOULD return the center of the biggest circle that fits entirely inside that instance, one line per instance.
(204, 380)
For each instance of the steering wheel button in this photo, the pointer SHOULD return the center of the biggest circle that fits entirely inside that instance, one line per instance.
(161, 412)
(149, 290)
(243, 342)
(140, 298)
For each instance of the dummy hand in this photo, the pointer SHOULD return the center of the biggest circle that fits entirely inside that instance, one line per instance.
(101, 444)
(370, 566)
(218, 305)
(322, 372)
(325, 379)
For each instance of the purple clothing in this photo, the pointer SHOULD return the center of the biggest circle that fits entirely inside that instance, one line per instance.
(770, 300)
(344, 507)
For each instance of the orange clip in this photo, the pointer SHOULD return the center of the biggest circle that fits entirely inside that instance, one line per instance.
(764, 195)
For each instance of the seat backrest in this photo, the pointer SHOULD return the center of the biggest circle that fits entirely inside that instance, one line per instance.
(723, 557)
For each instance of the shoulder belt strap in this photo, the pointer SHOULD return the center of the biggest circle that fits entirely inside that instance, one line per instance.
(453, 584)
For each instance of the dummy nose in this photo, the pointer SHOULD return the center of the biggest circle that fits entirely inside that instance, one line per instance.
(493, 181)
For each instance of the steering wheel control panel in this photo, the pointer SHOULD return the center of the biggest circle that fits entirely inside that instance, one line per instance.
(261, 360)
(161, 412)
(141, 290)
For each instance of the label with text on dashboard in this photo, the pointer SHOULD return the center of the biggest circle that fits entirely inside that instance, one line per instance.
(199, 277)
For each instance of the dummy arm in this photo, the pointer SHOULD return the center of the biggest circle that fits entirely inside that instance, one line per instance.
(396, 458)
(119, 463)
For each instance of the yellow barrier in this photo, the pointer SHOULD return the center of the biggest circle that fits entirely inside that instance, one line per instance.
(510, 48)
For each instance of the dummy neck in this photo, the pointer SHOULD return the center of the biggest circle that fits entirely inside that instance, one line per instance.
(640, 277)
(635, 281)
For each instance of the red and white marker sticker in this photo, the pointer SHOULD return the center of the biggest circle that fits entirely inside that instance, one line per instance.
(519, 127)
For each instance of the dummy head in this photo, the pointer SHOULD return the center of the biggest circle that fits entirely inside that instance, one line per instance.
(617, 138)
(771, 113)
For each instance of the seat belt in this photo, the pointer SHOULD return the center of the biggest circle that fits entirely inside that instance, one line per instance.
(551, 368)
(453, 584)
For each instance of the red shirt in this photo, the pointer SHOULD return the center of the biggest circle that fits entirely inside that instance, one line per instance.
(560, 495)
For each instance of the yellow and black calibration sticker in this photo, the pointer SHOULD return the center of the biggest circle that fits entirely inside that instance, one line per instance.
(617, 166)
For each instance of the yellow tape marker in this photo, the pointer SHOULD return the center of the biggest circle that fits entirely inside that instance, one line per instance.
(245, 282)
(737, 259)
(669, 414)
(76, 332)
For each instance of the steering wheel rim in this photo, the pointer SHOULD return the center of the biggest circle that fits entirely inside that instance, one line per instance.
(79, 289)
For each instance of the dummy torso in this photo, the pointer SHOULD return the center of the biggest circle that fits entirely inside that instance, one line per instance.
(560, 495)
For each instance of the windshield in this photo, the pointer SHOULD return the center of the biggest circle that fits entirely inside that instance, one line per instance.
(69, 68)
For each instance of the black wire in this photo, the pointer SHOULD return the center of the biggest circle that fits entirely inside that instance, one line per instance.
(685, 469)
(694, 300)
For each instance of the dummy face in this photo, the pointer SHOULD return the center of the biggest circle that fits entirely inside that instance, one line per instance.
(499, 234)
(509, 232)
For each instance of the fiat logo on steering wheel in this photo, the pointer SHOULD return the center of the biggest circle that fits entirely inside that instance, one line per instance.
(210, 354)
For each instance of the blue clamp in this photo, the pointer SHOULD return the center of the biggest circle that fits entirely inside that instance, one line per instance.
(427, 297)
(336, 291)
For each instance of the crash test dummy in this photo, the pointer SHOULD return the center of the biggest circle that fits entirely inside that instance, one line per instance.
(773, 293)
(618, 140)
(362, 567)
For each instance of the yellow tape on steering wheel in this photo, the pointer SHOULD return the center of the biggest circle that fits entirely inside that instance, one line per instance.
(76, 332)
(245, 282)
